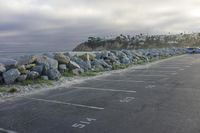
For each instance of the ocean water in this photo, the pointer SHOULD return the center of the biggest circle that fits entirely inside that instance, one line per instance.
(13, 51)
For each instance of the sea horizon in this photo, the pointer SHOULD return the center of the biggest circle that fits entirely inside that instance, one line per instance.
(8, 51)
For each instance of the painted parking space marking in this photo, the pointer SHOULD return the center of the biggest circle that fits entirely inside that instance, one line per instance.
(150, 86)
(127, 100)
(6, 131)
(102, 89)
(181, 69)
(83, 123)
(169, 67)
(174, 64)
(187, 66)
(154, 70)
(173, 73)
(163, 71)
(164, 79)
(108, 80)
(149, 75)
(65, 103)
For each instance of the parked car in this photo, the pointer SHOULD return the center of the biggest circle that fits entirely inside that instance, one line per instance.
(190, 50)
(197, 50)
(193, 50)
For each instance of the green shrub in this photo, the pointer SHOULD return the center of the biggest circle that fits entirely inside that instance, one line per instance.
(3, 89)
(140, 62)
(68, 74)
(10, 90)
(36, 81)
(89, 73)
(119, 66)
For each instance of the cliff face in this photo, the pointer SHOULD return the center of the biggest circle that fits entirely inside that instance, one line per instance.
(140, 41)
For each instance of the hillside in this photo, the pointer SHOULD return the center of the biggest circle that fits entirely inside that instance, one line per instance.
(139, 41)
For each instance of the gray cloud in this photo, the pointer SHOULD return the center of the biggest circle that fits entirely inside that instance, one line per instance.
(65, 23)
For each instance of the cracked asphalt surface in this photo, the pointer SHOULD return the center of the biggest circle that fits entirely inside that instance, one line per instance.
(162, 98)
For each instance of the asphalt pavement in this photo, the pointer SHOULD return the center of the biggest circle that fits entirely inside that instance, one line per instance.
(161, 98)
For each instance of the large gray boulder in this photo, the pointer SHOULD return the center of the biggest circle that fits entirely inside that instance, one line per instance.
(27, 59)
(22, 78)
(119, 54)
(83, 64)
(8, 63)
(104, 64)
(38, 68)
(77, 71)
(61, 58)
(111, 58)
(97, 67)
(47, 62)
(89, 64)
(33, 75)
(53, 74)
(138, 54)
(72, 65)
(125, 60)
(62, 68)
(101, 55)
(100, 65)
(10, 76)
(1, 80)
(128, 53)
(2, 68)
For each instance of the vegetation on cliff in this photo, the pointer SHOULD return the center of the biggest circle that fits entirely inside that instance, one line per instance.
(140, 41)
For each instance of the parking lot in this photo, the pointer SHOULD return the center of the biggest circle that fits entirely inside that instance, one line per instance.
(161, 98)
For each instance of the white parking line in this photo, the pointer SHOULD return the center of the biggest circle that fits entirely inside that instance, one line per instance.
(150, 86)
(146, 75)
(101, 89)
(154, 70)
(65, 103)
(165, 71)
(187, 66)
(127, 99)
(164, 79)
(174, 64)
(168, 67)
(6, 131)
(173, 73)
(120, 80)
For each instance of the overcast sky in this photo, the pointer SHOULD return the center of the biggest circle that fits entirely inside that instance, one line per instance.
(59, 23)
